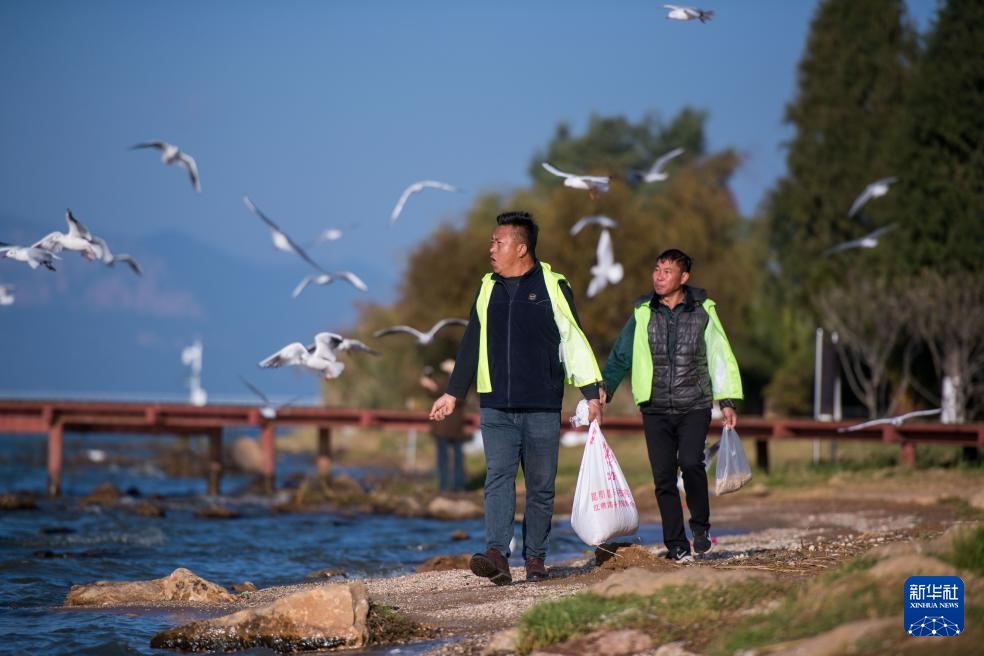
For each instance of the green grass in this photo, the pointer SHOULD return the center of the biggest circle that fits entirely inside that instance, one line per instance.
(962, 510)
(968, 551)
(675, 613)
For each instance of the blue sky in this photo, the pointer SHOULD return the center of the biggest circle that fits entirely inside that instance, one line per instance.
(322, 112)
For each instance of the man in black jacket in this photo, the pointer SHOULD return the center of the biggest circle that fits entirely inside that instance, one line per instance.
(523, 339)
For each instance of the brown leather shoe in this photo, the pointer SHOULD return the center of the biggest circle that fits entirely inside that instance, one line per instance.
(491, 565)
(535, 569)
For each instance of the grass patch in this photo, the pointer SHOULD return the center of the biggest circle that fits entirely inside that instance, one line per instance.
(968, 551)
(962, 510)
(675, 613)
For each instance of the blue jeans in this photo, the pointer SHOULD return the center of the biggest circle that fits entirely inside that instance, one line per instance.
(450, 479)
(511, 439)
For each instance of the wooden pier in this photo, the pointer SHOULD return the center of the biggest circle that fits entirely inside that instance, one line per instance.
(55, 418)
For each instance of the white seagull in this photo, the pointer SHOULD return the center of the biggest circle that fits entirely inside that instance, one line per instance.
(328, 278)
(109, 259)
(868, 241)
(894, 421)
(592, 183)
(422, 338)
(78, 239)
(171, 154)
(655, 172)
(319, 357)
(268, 410)
(607, 271)
(413, 189)
(34, 257)
(6, 298)
(600, 220)
(688, 13)
(280, 239)
(876, 189)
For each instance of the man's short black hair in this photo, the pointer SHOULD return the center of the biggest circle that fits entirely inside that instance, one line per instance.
(681, 259)
(527, 227)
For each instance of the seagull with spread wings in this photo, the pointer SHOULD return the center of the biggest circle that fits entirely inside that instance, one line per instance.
(868, 241)
(417, 187)
(268, 410)
(688, 13)
(422, 338)
(656, 172)
(607, 271)
(599, 220)
(327, 279)
(34, 257)
(594, 184)
(109, 259)
(281, 241)
(171, 154)
(78, 238)
(894, 421)
(876, 189)
(319, 356)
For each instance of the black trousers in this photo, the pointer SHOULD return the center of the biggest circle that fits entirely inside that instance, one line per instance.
(678, 441)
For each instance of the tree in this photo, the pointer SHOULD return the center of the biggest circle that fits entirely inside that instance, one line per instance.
(851, 83)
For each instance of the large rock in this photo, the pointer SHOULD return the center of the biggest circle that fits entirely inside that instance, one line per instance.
(247, 455)
(17, 502)
(445, 508)
(445, 563)
(179, 585)
(324, 617)
(642, 582)
(105, 494)
(501, 643)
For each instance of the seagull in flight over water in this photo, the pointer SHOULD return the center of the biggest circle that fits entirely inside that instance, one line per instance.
(688, 13)
(422, 338)
(328, 278)
(607, 271)
(594, 184)
(34, 257)
(109, 259)
(171, 154)
(876, 189)
(600, 220)
(894, 421)
(417, 187)
(655, 172)
(78, 238)
(281, 241)
(868, 241)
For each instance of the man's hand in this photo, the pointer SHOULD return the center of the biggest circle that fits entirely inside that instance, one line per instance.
(443, 407)
(603, 395)
(595, 410)
(730, 418)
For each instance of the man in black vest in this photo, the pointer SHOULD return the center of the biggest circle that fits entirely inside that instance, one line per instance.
(520, 415)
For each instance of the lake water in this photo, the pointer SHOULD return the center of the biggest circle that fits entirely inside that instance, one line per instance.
(264, 547)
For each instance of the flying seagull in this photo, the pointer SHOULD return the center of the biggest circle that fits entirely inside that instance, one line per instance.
(422, 338)
(318, 357)
(78, 238)
(339, 344)
(413, 189)
(655, 172)
(688, 13)
(607, 271)
(328, 278)
(868, 241)
(34, 257)
(592, 183)
(109, 259)
(280, 239)
(171, 154)
(876, 189)
(6, 298)
(600, 220)
(268, 410)
(894, 421)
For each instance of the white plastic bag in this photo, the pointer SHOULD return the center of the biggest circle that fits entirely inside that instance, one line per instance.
(603, 503)
(733, 470)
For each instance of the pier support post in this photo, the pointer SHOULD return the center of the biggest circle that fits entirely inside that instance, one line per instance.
(762, 455)
(268, 447)
(56, 435)
(323, 462)
(214, 460)
(907, 454)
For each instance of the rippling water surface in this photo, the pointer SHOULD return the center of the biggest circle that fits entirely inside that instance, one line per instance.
(88, 544)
